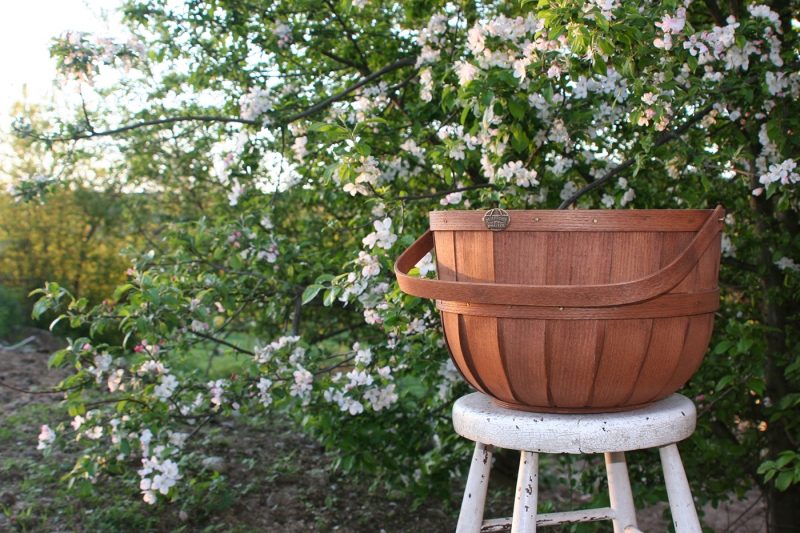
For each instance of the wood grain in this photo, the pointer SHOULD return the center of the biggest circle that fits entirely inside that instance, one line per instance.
(666, 346)
(577, 220)
(665, 306)
(571, 354)
(522, 348)
(575, 311)
(450, 324)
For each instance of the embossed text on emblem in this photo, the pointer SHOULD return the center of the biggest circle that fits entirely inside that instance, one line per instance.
(496, 219)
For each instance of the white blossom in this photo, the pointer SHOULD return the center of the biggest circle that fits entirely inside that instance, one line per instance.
(237, 190)
(783, 172)
(627, 198)
(264, 396)
(426, 85)
(283, 34)
(254, 104)
(763, 11)
(466, 72)
(302, 383)
(217, 390)
(370, 266)
(787, 263)
(114, 381)
(453, 198)
(426, 265)
(568, 190)
(299, 148)
(380, 398)
(166, 388)
(382, 237)
(46, 437)
(776, 83)
(515, 172)
(166, 475)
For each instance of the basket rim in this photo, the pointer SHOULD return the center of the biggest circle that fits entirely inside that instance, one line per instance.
(686, 220)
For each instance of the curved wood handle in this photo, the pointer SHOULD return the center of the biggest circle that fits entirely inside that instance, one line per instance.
(555, 295)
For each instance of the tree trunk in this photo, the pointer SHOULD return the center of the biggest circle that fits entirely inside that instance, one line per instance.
(783, 508)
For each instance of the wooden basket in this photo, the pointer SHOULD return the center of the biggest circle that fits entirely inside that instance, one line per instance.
(573, 311)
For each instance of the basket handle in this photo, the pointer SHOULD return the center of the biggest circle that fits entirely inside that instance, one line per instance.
(555, 295)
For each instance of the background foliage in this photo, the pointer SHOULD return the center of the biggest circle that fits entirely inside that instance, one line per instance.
(308, 141)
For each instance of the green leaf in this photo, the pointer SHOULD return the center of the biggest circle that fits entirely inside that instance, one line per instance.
(519, 141)
(311, 292)
(412, 386)
(40, 307)
(606, 46)
(784, 480)
(723, 382)
(120, 291)
(464, 115)
(785, 458)
(56, 359)
(516, 109)
(330, 296)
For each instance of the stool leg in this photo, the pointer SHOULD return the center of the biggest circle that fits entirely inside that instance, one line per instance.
(619, 491)
(681, 505)
(524, 520)
(470, 519)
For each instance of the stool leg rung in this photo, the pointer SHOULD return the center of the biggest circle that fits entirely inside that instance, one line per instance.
(497, 525)
(471, 516)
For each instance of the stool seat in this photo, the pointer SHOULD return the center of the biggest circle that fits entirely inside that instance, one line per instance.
(659, 425)
(479, 419)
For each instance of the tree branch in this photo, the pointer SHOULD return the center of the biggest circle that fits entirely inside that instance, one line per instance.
(406, 61)
(716, 12)
(662, 139)
(349, 33)
(223, 342)
(444, 193)
(400, 63)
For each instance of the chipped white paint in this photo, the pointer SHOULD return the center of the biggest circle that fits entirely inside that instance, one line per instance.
(498, 525)
(527, 496)
(479, 419)
(471, 516)
(619, 491)
(660, 425)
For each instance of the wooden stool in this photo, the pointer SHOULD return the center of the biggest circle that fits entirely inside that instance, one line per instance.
(659, 425)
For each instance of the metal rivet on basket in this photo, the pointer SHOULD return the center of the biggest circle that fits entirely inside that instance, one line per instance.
(536, 219)
(594, 221)
(560, 308)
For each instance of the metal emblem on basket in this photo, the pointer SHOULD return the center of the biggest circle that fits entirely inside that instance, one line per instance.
(496, 219)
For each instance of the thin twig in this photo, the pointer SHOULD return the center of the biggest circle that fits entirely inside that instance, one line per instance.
(444, 193)
(744, 513)
(349, 33)
(223, 342)
(25, 391)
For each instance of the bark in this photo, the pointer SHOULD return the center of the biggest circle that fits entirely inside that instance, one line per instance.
(783, 508)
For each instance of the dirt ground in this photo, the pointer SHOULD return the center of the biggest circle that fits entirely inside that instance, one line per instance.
(282, 479)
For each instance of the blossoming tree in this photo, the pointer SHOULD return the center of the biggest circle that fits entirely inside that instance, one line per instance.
(333, 127)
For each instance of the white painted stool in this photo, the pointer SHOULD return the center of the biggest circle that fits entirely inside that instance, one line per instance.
(659, 425)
